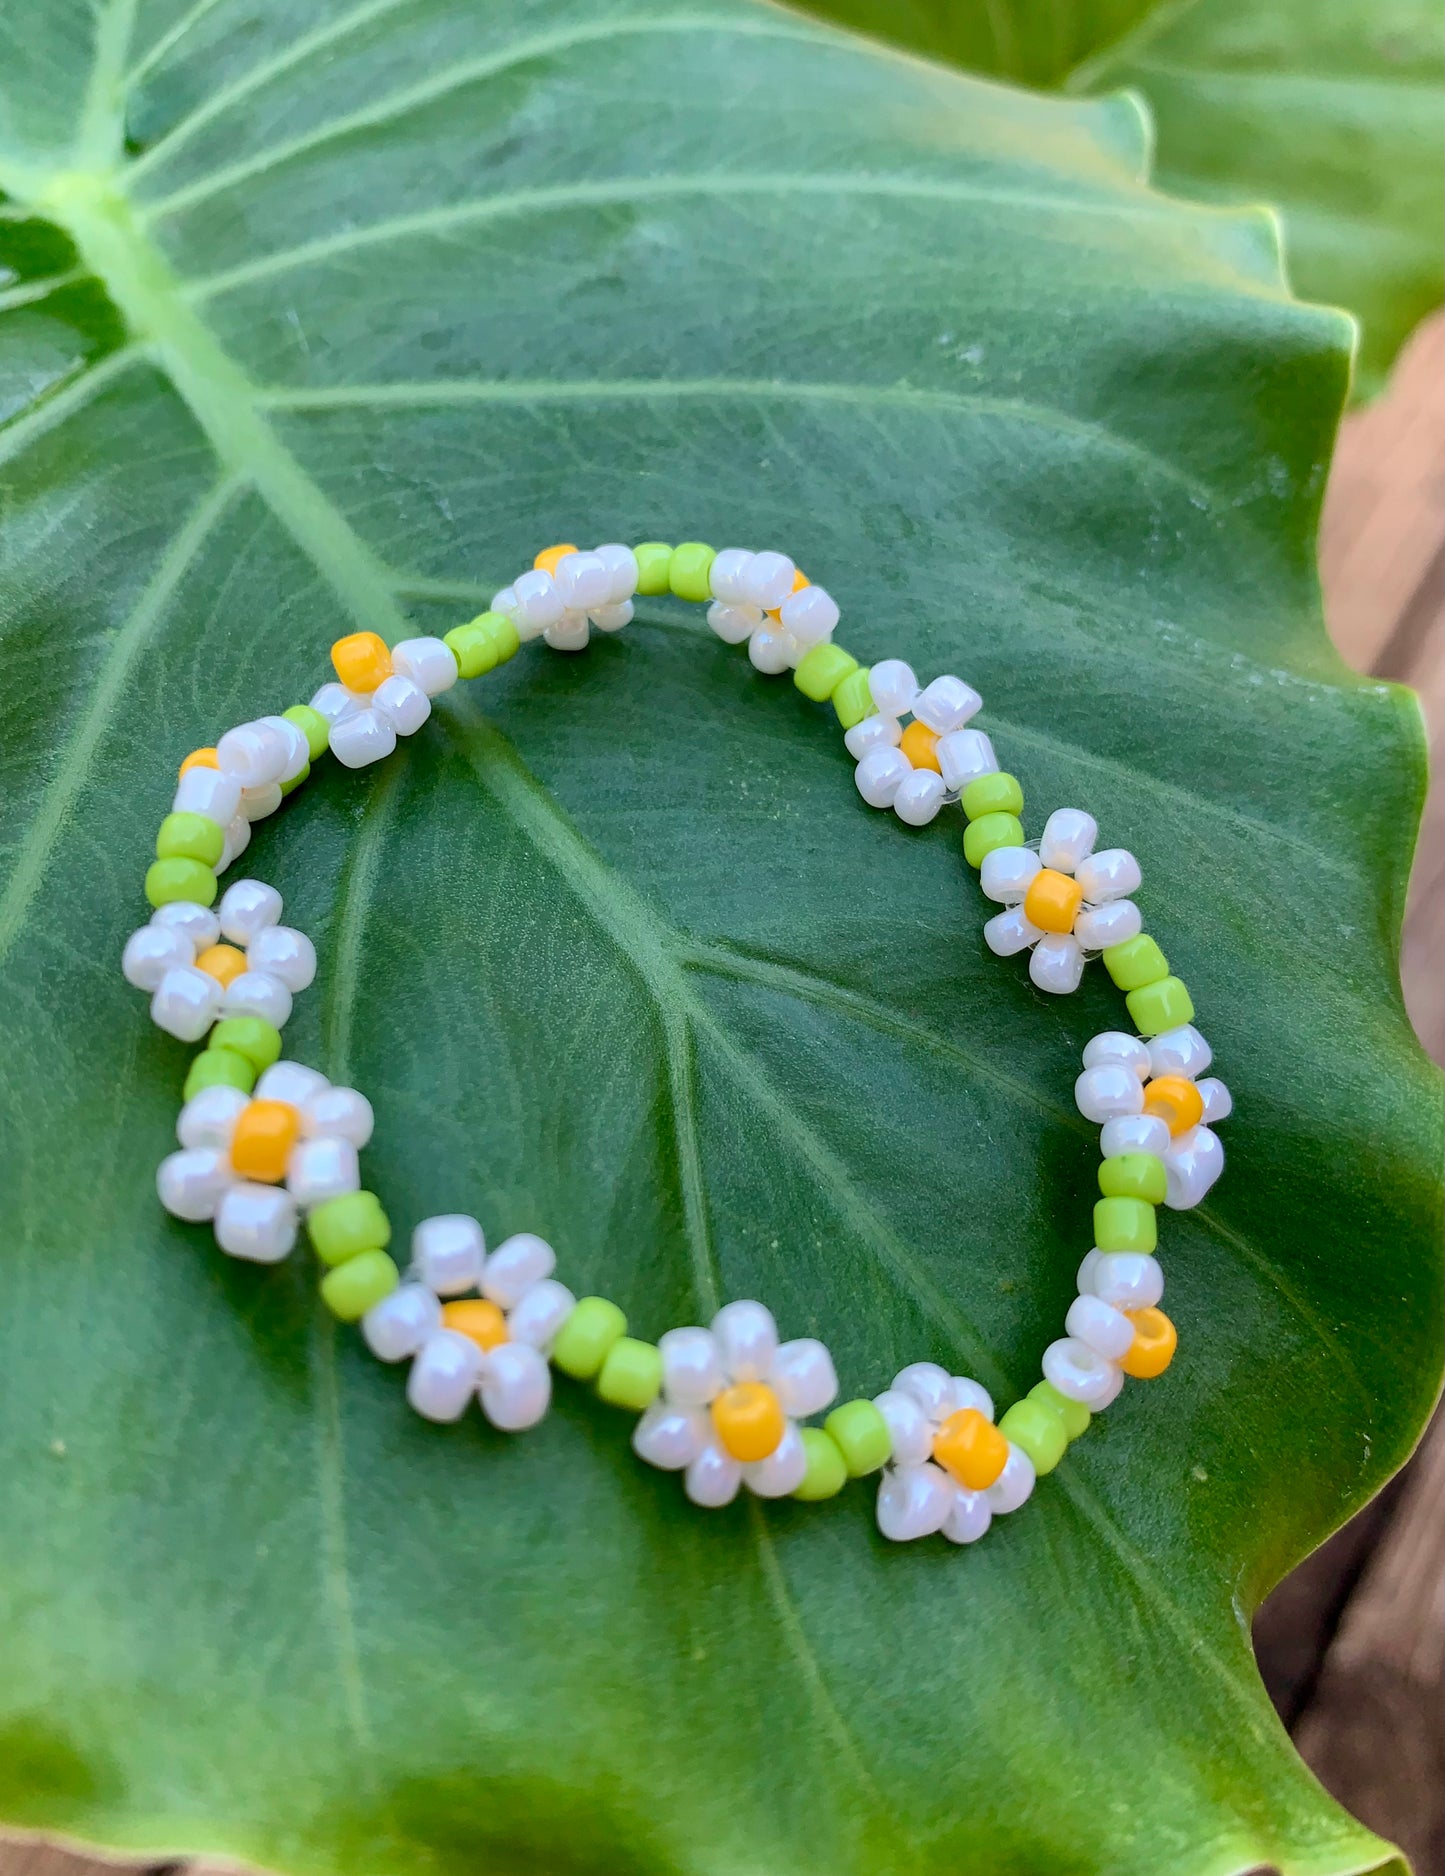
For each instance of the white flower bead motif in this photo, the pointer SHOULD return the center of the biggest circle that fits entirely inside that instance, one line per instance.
(201, 965)
(765, 600)
(1063, 903)
(569, 590)
(732, 1396)
(947, 1459)
(914, 768)
(1150, 1098)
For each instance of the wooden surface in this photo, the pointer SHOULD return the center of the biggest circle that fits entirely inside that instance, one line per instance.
(1352, 1646)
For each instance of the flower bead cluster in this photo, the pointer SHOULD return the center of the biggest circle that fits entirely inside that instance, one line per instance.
(1151, 1101)
(916, 765)
(202, 965)
(1064, 903)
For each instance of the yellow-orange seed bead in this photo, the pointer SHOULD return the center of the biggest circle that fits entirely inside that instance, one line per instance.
(362, 661)
(970, 1449)
(1155, 1340)
(1052, 901)
(264, 1136)
(920, 745)
(547, 560)
(223, 962)
(1176, 1101)
(200, 759)
(749, 1420)
(474, 1316)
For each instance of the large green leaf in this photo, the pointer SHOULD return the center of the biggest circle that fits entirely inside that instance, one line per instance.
(362, 308)
(1328, 109)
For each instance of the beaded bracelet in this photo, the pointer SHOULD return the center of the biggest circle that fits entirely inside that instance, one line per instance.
(266, 1142)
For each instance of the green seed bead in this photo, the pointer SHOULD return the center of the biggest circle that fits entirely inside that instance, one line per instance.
(861, 1435)
(821, 670)
(654, 562)
(481, 645)
(313, 726)
(689, 569)
(169, 880)
(585, 1337)
(1125, 1225)
(827, 1472)
(219, 1068)
(992, 794)
(251, 1036)
(1161, 1006)
(1074, 1414)
(1135, 963)
(345, 1227)
(1036, 1430)
(631, 1374)
(981, 837)
(296, 780)
(190, 837)
(1133, 1176)
(853, 700)
(351, 1289)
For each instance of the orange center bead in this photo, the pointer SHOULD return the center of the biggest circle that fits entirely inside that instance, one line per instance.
(970, 1449)
(1155, 1340)
(474, 1316)
(200, 759)
(1176, 1101)
(223, 962)
(1052, 901)
(920, 745)
(261, 1144)
(546, 561)
(749, 1420)
(362, 661)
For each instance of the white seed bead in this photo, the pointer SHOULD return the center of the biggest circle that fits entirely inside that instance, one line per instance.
(186, 1003)
(734, 623)
(254, 753)
(581, 580)
(198, 922)
(291, 1082)
(430, 663)
(448, 1252)
(892, 686)
(151, 952)
(517, 1263)
(256, 1222)
(1218, 1101)
(713, 1478)
(803, 1377)
(283, 952)
(770, 652)
(247, 908)
(621, 565)
(516, 1388)
(613, 618)
(504, 600)
(782, 1471)
(727, 574)
(913, 1501)
(1100, 1326)
(238, 838)
(968, 1518)
(919, 797)
(398, 1325)
(257, 803)
(444, 1375)
(929, 1384)
(963, 756)
(1014, 1484)
(873, 732)
(1191, 1166)
(810, 615)
(1110, 1394)
(670, 1437)
(404, 704)
(539, 604)
(880, 775)
(1075, 1369)
(767, 580)
(1007, 873)
(570, 633)
(209, 1117)
(947, 704)
(318, 1170)
(1135, 1133)
(972, 1394)
(191, 1184)
(1068, 839)
(1099, 926)
(910, 1432)
(538, 1318)
(1113, 874)
(338, 1111)
(335, 701)
(1008, 933)
(1056, 963)
(257, 993)
(298, 750)
(361, 739)
(747, 1339)
(1108, 1091)
(209, 792)
(1124, 1280)
(1114, 1045)
(1181, 1051)
(692, 1370)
